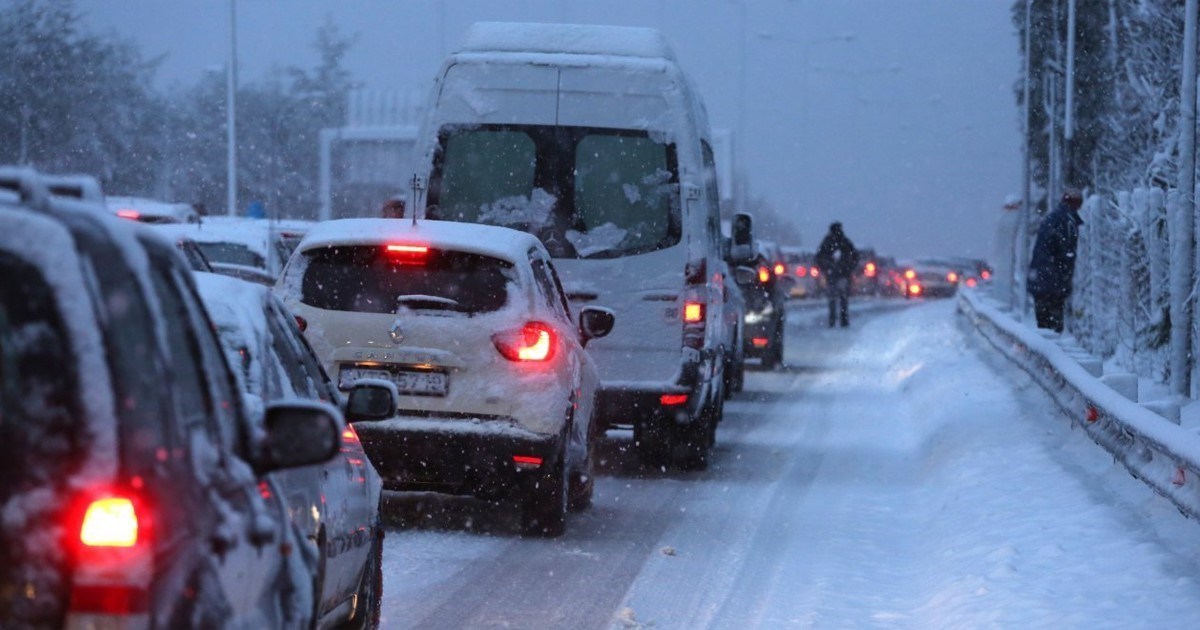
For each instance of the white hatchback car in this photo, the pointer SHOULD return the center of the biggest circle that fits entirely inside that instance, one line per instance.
(471, 325)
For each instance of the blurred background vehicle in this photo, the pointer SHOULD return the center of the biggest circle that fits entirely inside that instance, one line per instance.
(152, 211)
(336, 504)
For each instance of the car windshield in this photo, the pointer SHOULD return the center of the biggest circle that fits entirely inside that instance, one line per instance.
(587, 193)
(372, 279)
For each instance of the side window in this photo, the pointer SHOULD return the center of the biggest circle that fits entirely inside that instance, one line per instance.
(40, 417)
(550, 293)
(226, 400)
(192, 403)
(312, 369)
(290, 358)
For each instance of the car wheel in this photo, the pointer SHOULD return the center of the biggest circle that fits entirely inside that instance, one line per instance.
(545, 509)
(583, 480)
(690, 450)
(369, 599)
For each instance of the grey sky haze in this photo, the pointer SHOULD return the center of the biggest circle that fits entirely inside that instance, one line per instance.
(896, 117)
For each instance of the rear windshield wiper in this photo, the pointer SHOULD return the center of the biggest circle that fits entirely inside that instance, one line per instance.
(429, 301)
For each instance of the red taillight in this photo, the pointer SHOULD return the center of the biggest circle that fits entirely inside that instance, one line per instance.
(869, 270)
(760, 342)
(301, 323)
(985, 274)
(132, 215)
(673, 400)
(531, 460)
(693, 312)
(910, 274)
(951, 277)
(801, 271)
(109, 522)
(764, 274)
(534, 342)
(914, 289)
(814, 272)
(780, 269)
(350, 441)
(113, 563)
(971, 282)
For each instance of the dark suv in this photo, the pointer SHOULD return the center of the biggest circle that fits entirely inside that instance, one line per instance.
(132, 493)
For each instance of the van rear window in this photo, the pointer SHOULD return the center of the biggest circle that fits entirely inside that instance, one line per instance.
(372, 279)
(585, 192)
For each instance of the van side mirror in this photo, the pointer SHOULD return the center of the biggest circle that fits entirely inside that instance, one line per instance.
(595, 322)
(742, 239)
(371, 399)
(299, 434)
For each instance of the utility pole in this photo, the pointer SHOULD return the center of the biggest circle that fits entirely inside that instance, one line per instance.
(1183, 229)
(1069, 114)
(1021, 251)
(231, 114)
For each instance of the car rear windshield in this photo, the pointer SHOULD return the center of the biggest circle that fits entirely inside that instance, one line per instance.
(231, 254)
(585, 192)
(374, 279)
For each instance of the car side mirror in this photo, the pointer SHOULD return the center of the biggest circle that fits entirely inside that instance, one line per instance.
(595, 322)
(299, 434)
(744, 275)
(371, 399)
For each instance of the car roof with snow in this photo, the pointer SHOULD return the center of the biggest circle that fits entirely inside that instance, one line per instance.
(488, 240)
(577, 39)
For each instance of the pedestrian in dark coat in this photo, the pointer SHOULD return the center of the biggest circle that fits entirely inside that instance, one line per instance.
(837, 259)
(1052, 266)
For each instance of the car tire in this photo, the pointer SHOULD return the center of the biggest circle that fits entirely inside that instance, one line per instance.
(545, 511)
(369, 610)
(583, 480)
(692, 443)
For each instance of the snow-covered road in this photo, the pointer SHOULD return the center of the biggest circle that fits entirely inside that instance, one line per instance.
(896, 474)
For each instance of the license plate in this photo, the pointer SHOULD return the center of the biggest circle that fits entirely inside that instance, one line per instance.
(407, 382)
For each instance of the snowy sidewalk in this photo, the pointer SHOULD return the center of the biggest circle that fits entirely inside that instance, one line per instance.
(1154, 449)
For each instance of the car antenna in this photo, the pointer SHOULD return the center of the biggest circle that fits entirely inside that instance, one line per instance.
(417, 183)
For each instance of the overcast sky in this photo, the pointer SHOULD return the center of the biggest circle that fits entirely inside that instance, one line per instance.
(895, 117)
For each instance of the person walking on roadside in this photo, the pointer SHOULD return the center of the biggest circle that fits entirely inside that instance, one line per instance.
(837, 259)
(1052, 265)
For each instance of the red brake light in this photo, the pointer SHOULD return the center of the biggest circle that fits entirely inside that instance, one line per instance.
(869, 271)
(814, 272)
(132, 215)
(760, 342)
(407, 253)
(971, 282)
(985, 274)
(693, 312)
(780, 269)
(534, 342)
(914, 289)
(532, 460)
(801, 271)
(672, 400)
(910, 274)
(109, 522)
(764, 274)
(951, 277)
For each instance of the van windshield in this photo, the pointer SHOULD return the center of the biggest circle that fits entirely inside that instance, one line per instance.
(585, 192)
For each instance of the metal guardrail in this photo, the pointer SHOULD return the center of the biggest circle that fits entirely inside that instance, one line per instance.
(1163, 455)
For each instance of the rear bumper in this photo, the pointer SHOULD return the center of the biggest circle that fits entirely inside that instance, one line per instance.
(455, 455)
(625, 404)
